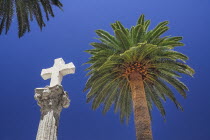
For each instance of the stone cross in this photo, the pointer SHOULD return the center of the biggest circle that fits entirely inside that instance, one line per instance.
(52, 99)
(57, 72)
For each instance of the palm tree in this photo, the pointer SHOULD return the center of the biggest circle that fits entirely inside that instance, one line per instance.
(26, 10)
(133, 70)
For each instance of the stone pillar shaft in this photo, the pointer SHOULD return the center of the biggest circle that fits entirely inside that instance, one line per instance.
(47, 128)
(51, 100)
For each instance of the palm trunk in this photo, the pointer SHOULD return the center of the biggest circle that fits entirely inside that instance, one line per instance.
(141, 111)
(51, 100)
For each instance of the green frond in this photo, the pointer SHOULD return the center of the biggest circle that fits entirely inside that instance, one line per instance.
(106, 36)
(174, 55)
(122, 28)
(10, 12)
(175, 38)
(160, 25)
(155, 98)
(110, 98)
(149, 103)
(124, 41)
(169, 72)
(172, 43)
(161, 86)
(25, 11)
(180, 87)
(146, 25)
(139, 32)
(157, 41)
(110, 87)
(119, 99)
(141, 20)
(2, 25)
(95, 90)
(125, 103)
(176, 66)
(156, 33)
(100, 46)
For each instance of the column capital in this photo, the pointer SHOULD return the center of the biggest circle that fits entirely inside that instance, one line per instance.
(52, 98)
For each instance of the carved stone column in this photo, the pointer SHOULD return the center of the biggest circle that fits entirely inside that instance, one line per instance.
(51, 100)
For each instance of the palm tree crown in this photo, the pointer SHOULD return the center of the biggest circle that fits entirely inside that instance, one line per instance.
(139, 50)
(25, 10)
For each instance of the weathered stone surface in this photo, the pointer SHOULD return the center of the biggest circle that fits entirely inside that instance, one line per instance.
(51, 100)
(47, 127)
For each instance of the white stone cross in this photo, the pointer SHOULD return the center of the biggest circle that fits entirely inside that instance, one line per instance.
(57, 72)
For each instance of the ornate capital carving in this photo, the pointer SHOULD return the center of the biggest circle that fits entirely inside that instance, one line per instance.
(52, 99)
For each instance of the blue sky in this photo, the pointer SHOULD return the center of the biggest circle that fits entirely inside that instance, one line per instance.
(67, 36)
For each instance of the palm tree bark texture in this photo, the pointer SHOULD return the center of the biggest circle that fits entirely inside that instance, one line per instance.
(51, 100)
(140, 107)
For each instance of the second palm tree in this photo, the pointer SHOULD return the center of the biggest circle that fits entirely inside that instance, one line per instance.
(132, 70)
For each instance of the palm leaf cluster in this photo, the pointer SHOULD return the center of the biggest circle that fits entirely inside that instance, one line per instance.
(26, 11)
(116, 56)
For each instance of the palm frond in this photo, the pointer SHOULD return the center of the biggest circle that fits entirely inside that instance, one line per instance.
(26, 11)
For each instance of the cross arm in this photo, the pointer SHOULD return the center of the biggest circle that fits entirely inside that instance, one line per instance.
(68, 69)
(46, 73)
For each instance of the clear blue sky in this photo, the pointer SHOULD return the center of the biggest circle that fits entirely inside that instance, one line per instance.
(67, 36)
